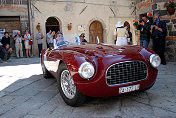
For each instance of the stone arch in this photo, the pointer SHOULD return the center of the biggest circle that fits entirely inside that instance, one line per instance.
(104, 28)
(53, 23)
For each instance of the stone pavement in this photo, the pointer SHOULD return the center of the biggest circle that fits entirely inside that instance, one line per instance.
(24, 93)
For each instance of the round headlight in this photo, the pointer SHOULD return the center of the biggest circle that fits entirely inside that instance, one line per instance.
(155, 60)
(86, 70)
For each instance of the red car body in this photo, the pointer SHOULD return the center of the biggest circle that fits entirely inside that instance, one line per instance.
(102, 57)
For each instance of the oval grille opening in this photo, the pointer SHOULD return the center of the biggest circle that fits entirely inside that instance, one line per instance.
(126, 72)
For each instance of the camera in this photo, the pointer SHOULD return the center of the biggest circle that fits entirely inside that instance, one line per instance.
(157, 20)
(141, 21)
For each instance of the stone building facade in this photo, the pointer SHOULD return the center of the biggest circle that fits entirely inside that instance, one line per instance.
(92, 17)
(11, 11)
(157, 6)
(13, 16)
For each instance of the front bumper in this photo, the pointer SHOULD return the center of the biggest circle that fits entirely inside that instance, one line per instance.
(97, 86)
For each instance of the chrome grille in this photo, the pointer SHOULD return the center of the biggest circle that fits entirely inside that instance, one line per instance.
(126, 72)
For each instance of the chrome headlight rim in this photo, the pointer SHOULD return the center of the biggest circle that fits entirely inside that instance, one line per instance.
(153, 61)
(89, 66)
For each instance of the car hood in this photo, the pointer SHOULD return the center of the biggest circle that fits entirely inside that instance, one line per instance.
(105, 50)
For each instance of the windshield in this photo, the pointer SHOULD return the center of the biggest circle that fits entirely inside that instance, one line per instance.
(61, 42)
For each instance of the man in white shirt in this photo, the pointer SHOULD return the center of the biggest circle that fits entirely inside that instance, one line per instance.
(18, 44)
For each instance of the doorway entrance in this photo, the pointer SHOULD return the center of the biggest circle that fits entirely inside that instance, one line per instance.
(96, 29)
(52, 24)
(10, 24)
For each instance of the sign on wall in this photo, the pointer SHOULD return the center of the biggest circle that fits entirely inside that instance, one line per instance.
(81, 28)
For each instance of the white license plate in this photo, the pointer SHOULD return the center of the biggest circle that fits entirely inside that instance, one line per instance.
(129, 88)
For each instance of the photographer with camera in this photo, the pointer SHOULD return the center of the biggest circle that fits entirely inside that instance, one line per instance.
(144, 26)
(159, 32)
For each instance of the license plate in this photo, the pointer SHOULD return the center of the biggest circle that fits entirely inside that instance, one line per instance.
(129, 88)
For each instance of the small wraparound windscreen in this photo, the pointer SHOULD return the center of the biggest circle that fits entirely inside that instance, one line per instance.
(62, 42)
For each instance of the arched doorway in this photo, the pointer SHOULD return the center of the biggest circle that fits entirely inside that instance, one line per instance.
(52, 24)
(96, 29)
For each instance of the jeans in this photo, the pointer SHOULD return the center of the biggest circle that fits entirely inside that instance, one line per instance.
(144, 43)
(40, 48)
(159, 47)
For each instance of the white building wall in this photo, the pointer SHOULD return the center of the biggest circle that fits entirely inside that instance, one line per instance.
(83, 12)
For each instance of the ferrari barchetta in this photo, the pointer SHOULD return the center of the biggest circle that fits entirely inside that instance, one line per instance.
(99, 70)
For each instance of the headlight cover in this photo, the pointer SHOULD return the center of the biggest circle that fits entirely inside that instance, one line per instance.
(86, 70)
(155, 60)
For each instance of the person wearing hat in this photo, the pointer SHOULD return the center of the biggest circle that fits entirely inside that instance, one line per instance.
(59, 40)
(82, 38)
(120, 34)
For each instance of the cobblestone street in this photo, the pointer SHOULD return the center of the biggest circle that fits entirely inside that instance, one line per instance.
(24, 93)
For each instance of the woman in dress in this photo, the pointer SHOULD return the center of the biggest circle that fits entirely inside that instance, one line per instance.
(120, 34)
(27, 37)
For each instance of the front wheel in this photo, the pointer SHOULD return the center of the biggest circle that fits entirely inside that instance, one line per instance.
(67, 88)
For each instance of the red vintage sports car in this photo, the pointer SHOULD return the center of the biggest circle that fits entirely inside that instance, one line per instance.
(99, 70)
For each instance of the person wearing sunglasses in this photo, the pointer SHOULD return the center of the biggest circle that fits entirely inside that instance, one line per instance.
(59, 40)
(82, 36)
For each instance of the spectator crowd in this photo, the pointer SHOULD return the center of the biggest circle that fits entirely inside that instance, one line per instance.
(122, 36)
(156, 31)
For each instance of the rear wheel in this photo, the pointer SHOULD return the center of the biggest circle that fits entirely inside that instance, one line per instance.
(67, 88)
(46, 73)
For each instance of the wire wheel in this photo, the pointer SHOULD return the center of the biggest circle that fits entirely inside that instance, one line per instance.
(67, 84)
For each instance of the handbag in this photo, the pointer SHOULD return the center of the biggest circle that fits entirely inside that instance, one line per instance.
(30, 42)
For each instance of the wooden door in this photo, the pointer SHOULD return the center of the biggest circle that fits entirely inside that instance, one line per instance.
(10, 23)
(95, 29)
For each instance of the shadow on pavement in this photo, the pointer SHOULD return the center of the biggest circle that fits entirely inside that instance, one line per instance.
(29, 95)
(21, 61)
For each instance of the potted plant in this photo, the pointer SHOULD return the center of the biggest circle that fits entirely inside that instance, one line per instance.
(69, 26)
(170, 6)
(150, 17)
(38, 26)
(135, 23)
